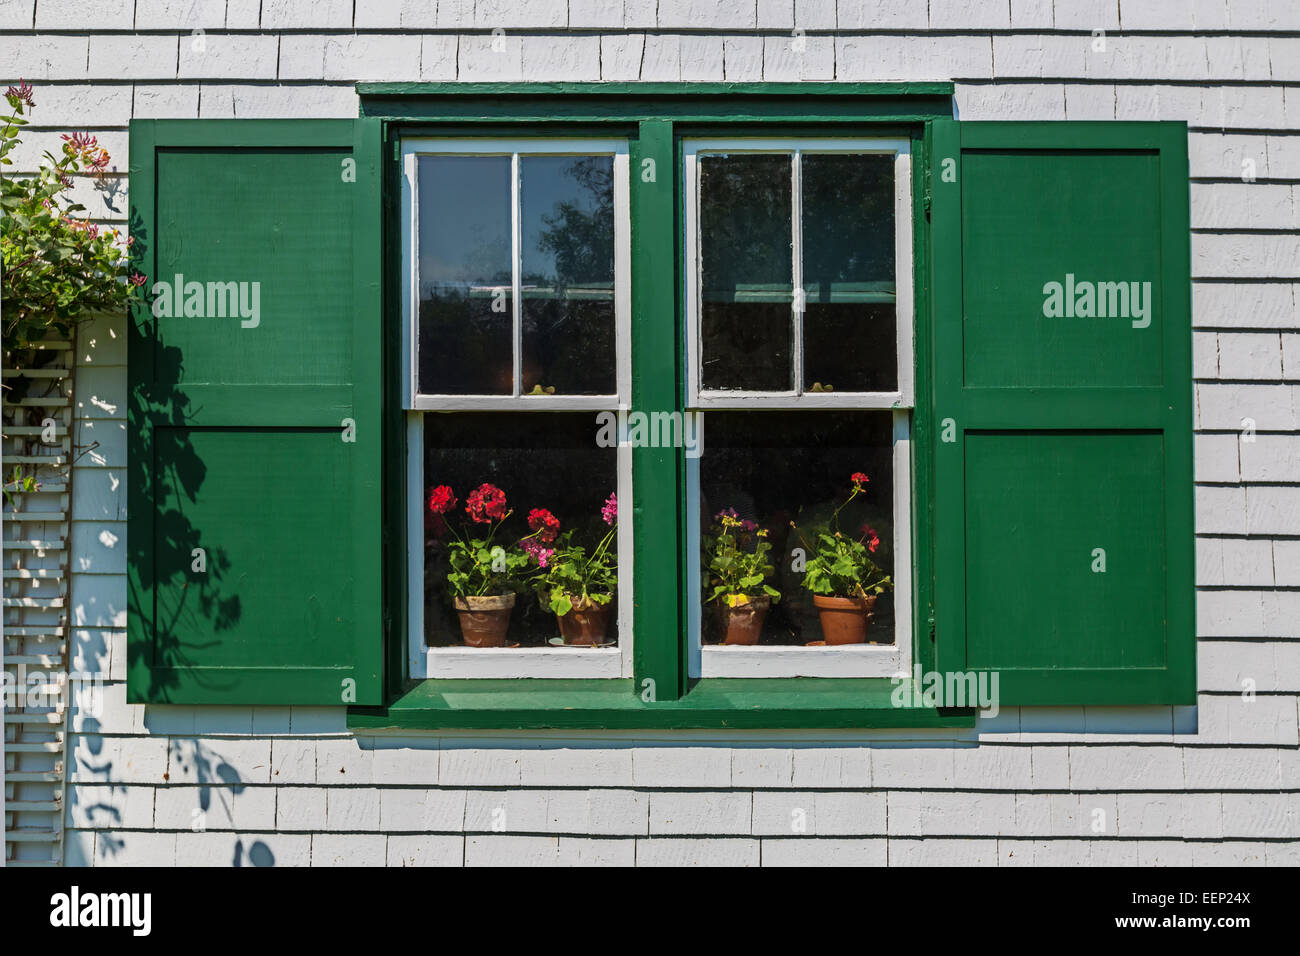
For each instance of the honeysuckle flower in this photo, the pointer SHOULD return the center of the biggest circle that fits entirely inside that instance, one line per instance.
(23, 91)
(136, 279)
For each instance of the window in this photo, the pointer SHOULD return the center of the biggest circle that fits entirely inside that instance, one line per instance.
(799, 332)
(517, 318)
(736, 257)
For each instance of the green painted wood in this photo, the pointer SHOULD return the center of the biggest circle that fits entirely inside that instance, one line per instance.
(1069, 434)
(682, 102)
(719, 704)
(657, 541)
(923, 543)
(237, 439)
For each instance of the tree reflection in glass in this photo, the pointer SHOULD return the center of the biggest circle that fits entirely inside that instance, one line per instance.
(567, 274)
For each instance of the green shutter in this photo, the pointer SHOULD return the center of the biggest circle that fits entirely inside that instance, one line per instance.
(1060, 440)
(237, 430)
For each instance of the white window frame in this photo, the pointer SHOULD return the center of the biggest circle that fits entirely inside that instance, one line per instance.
(902, 396)
(521, 662)
(864, 660)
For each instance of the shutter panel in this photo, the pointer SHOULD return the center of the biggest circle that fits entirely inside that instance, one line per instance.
(1063, 442)
(254, 527)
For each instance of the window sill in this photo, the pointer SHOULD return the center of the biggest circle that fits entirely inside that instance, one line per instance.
(715, 703)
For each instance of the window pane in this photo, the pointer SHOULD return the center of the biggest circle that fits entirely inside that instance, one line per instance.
(567, 220)
(466, 337)
(546, 460)
(746, 272)
(850, 341)
(774, 468)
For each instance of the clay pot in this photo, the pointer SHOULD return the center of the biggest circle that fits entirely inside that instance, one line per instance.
(845, 620)
(485, 620)
(585, 625)
(743, 623)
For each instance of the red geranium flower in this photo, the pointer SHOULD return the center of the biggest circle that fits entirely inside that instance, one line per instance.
(441, 500)
(859, 478)
(873, 539)
(486, 503)
(544, 523)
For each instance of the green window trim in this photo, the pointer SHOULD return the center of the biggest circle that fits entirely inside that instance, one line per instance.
(654, 118)
(712, 704)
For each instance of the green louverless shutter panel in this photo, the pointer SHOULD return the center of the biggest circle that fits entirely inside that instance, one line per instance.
(254, 526)
(1063, 410)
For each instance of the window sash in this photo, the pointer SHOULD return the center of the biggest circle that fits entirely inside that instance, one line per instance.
(512, 662)
(797, 397)
(867, 660)
(412, 149)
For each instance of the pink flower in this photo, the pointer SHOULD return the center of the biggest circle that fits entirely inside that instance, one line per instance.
(537, 551)
(23, 91)
(136, 279)
(610, 511)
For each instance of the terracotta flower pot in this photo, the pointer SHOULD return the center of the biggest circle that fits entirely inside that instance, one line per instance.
(743, 623)
(845, 620)
(485, 620)
(585, 625)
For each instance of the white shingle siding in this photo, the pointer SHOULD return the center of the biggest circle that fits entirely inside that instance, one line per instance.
(1217, 783)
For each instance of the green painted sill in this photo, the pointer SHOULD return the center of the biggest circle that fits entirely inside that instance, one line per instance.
(713, 704)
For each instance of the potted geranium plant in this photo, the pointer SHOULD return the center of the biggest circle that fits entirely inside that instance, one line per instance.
(576, 584)
(482, 575)
(736, 572)
(842, 576)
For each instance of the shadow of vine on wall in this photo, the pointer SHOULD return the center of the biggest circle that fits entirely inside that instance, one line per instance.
(166, 586)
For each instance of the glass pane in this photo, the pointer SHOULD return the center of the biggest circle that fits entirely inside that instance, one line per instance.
(567, 273)
(771, 470)
(466, 326)
(540, 460)
(746, 272)
(850, 342)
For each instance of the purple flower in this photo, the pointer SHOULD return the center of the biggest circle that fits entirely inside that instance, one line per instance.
(610, 511)
(726, 513)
